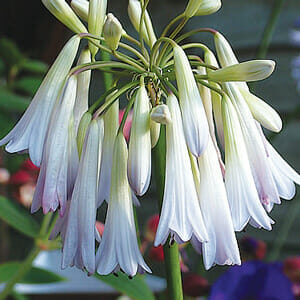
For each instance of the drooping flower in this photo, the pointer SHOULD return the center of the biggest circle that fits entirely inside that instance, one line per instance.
(193, 115)
(221, 248)
(79, 242)
(111, 125)
(242, 195)
(119, 249)
(52, 185)
(181, 216)
(257, 156)
(139, 155)
(30, 132)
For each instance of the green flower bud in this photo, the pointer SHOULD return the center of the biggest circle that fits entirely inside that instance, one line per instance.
(63, 12)
(82, 129)
(154, 133)
(192, 8)
(112, 31)
(252, 70)
(96, 18)
(208, 7)
(135, 12)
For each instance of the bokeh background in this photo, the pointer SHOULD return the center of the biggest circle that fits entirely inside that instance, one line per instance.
(39, 36)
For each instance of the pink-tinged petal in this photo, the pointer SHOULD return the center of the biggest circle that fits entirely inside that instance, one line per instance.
(242, 195)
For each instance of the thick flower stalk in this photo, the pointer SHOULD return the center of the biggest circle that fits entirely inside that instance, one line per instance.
(202, 102)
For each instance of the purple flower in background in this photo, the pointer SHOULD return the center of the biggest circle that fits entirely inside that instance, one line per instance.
(253, 280)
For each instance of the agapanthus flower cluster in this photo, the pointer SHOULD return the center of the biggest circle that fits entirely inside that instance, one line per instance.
(207, 111)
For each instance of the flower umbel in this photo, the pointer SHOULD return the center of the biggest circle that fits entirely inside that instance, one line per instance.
(180, 101)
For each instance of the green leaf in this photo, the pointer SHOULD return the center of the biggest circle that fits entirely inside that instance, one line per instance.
(18, 218)
(135, 288)
(12, 102)
(28, 85)
(34, 66)
(34, 276)
(10, 53)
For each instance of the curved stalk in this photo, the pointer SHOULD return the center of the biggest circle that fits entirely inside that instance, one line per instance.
(120, 92)
(173, 21)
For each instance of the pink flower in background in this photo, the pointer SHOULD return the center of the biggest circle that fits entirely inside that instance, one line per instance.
(127, 126)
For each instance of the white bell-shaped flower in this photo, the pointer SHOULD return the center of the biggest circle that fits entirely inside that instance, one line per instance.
(119, 249)
(181, 215)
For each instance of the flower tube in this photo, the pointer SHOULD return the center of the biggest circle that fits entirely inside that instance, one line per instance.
(111, 125)
(139, 158)
(119, 249)
(193, 115)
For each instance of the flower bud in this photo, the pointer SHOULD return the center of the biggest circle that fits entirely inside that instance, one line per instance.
(139, 155)
(81, 8)
(252, 70)
(83, 126)
(192, 8)
(112, 31)
(97, 13)
(208, 7)
(161, 114)
(135, 12)
(154, 133)
(225, 53)
(63, 12)
(262, 112)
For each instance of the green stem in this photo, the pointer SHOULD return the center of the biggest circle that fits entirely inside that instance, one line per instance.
(269, 29)
(21, 272)
(27, 263)
(171, 253)
(167, 28)
(284, 231)
(116, 95)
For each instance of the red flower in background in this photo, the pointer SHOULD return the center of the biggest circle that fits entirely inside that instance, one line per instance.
(194, 285)
(24, 181)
